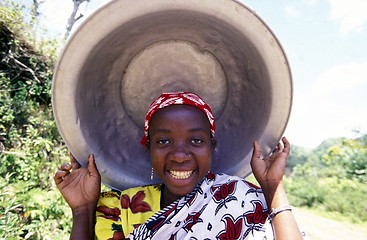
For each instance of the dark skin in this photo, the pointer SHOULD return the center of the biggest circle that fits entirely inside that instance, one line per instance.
(81, 188)
(180, 141)
(181, 150)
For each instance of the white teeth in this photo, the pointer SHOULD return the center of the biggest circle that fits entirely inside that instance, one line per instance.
(180, 174)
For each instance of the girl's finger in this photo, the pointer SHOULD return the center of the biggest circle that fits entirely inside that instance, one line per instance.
(59, 175)
(276, 149)
(257, 150)
(280, 146)
(287, 145)
(65, 167)
(74, 162)
(92, 168)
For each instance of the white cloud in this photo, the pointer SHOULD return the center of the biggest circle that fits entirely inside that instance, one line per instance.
(291, 11)
(351, 14)
(334, 107)
(310, 2)
(342, 77)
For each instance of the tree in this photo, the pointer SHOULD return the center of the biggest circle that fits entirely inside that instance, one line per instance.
(73, 17)
(349, 159)
(298, 155)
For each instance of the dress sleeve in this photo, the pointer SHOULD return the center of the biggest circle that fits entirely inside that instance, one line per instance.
(108, 217)
(119, 213)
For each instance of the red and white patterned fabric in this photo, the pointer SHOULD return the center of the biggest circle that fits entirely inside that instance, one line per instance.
(173, 98)
(220, 207)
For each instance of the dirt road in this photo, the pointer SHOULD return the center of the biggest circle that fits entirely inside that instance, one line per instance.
(321, 228)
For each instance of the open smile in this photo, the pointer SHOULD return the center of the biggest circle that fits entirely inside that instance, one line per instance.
(181, 174)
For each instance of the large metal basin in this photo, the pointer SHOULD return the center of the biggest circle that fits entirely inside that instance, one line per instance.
(129, 52)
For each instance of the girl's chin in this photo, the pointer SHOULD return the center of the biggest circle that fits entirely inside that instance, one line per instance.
(181, 185)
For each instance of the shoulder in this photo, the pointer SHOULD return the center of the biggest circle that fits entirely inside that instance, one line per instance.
(225, 178)
(113, 193)
(112, 202)
(239, 194)
(241, 187)
(113, 197)
(147, 189)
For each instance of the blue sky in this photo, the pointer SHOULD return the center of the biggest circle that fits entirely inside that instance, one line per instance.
(325, 41)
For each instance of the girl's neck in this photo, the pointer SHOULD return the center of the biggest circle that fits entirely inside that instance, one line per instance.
(167, 197)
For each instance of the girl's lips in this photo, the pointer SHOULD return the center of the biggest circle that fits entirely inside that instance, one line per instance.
(180, 174)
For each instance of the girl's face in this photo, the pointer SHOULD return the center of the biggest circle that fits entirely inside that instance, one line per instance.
(180, 147)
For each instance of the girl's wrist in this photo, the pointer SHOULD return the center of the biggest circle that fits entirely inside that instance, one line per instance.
(275, 195)
(84, 219)
(84, 210)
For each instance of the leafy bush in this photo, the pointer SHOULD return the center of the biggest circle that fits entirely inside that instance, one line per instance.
(349, 159)
(305, 192)
(30, 146)
(333, 178)
(33, 208)
(344, 196)
(298, 155)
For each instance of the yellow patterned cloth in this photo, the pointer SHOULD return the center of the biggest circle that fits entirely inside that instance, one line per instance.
(119, 213)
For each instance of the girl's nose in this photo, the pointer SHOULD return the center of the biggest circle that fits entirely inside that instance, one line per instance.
(180, 154)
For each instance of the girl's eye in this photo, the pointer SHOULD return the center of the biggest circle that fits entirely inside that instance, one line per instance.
(163, 141)
(196, 141)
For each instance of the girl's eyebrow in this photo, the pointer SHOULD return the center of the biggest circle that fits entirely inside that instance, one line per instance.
(161, 130)
(197, 130)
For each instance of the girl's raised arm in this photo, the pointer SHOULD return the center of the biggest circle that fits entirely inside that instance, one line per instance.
(269, 172)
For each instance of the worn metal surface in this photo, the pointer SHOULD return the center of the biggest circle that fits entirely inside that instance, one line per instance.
(129, 52)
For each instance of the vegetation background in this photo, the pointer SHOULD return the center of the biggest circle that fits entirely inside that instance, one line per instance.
(330, 179)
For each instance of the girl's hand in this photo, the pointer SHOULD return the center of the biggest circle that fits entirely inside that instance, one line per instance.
(269, 171)
(79, 186)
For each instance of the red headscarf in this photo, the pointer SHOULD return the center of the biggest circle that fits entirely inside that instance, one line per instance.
(172, 98)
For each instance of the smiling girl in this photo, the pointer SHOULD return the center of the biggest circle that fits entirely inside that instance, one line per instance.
(192, 202)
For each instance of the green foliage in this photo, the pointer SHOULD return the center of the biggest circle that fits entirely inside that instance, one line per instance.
(32, 213)
(10, 15)
(349, 160)
(305, 192)
(333, 178)
(32, 207)
(25, 77)
(325, 145)
(344, 196)
(25, 28)
(30, 146)
(346, 159)
(298, 155)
